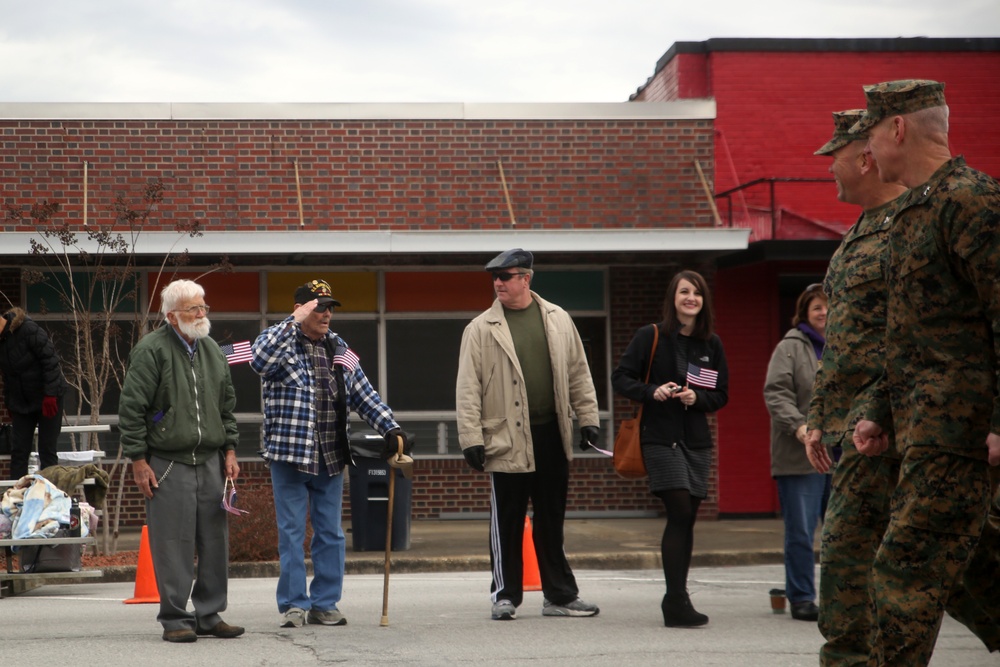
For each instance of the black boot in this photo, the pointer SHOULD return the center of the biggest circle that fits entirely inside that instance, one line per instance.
(678, 612)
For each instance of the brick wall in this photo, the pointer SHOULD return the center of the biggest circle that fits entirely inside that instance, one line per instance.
(391, 174)
(448, 486)
(367, 175)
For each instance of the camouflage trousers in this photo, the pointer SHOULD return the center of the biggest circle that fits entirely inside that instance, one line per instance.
(937, 515)
(855, 523)
(856, 519)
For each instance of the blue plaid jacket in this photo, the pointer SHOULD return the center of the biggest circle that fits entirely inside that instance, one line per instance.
(290, 394)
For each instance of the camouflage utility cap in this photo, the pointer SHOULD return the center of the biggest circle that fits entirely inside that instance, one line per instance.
(895, 98)
(843, 121)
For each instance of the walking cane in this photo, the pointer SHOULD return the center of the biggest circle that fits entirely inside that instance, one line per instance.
(388, 530)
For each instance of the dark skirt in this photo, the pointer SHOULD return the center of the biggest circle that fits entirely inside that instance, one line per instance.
(677, 467)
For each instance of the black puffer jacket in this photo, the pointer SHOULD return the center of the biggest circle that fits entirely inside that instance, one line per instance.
(29, 364)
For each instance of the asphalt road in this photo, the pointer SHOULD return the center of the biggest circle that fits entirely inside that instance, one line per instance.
(443, 619)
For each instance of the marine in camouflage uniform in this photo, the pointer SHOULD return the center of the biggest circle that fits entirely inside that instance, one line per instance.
(939, 389)
(858, 510)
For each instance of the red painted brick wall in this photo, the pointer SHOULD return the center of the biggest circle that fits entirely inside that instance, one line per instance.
(748, 326)
(773, 111)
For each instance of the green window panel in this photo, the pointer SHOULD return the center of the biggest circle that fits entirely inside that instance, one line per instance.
(573, 290)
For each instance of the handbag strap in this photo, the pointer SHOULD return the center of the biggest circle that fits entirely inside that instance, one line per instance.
(656, 339)
(649, 367)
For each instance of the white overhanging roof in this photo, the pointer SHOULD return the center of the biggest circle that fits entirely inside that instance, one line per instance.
(266, 243)
(680, 110)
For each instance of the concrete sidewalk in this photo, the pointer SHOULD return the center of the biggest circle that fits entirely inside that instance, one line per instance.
(591, 543)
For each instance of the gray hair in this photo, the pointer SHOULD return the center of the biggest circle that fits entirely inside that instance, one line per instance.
(933, 120)
(177, 292)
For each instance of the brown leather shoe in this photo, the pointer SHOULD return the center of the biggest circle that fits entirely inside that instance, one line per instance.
(222, 630)
(182, 636)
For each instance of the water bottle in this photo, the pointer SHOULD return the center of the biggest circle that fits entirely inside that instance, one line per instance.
(74, 519)
(32, 463)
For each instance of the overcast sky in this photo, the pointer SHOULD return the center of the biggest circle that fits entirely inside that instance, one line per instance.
(407, 50)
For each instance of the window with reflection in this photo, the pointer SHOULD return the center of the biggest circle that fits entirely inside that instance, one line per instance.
(412, 319)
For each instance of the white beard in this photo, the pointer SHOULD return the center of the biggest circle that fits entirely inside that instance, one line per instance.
(195, 330)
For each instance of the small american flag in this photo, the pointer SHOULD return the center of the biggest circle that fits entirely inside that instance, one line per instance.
(237, 353)
(346, 357)
(702, 377)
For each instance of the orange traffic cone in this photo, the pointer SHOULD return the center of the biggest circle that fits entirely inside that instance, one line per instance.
(145, 576)
(532, 579)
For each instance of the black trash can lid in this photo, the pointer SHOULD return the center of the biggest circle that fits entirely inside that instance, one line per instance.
(367, 445)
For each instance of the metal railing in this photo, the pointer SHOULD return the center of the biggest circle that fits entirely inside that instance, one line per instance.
(762, 221)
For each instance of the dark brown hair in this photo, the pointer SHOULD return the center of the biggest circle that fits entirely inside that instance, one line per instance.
(802, 304)
(704, 323)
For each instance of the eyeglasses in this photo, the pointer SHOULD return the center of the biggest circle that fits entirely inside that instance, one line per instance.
(229, 498)
(194, 310)
(322, 307)
(504, 277)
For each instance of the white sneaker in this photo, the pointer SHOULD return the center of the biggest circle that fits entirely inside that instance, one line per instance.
(294, 618)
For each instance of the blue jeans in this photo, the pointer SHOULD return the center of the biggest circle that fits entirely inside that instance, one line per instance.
(294, 492)
(803, 501)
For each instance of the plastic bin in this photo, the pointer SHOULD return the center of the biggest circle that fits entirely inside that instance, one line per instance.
(369, 485)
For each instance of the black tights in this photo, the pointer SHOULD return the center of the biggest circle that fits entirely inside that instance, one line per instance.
(678, 537)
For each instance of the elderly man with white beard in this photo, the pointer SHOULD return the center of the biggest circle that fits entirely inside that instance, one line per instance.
(177, 427)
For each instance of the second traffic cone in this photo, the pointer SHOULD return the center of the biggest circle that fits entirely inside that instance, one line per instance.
(145, 577)
(532, 579)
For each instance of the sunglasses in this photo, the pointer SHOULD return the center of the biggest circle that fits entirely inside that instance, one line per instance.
(229, 498)
(504, 277)
(322, 307)
(194, 310)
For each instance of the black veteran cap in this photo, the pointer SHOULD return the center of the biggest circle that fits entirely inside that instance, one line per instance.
(315, 289)
(511, 259)
(843, 121)
(896, 98)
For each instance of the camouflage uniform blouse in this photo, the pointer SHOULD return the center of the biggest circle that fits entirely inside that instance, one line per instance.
(943, 317)
(855, 325)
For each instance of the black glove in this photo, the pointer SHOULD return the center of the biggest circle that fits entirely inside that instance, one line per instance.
(392, 443)
(588, 437)
(475, 456)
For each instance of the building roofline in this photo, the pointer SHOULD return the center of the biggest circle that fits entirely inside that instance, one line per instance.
(679, 110)
(268, 243)
(817, 45)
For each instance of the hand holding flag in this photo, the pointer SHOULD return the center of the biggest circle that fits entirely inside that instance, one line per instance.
(702, 377)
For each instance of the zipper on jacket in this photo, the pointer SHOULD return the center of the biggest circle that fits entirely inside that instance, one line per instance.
(197, 412)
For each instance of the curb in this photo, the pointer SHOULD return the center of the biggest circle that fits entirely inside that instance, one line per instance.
(405, 564)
